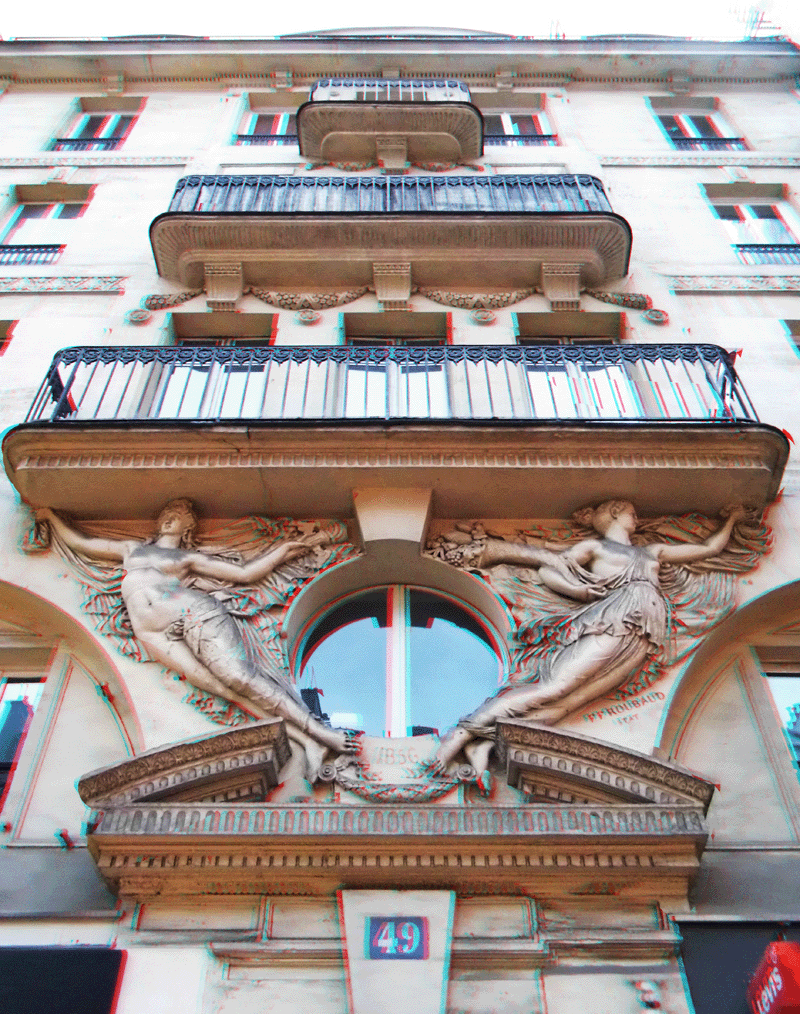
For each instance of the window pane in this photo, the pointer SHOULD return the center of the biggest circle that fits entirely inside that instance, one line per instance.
(704, 126)
(452, 666)
(18, 701)
(345, 658)
(785, 692)
(351, 656)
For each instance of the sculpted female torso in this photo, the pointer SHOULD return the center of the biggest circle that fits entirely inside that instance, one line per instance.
(605, 641)
(192, 632)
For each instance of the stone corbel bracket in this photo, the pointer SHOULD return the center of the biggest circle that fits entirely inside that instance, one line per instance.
(223, 285)
(392, 152)
(241, 763)
(560, 767)
(392, 285)
(561, 284)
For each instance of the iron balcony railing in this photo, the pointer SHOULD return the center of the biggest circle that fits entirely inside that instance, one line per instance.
(87, 143)
(709, 143)
(389, 90)
(435, 383)
(521, 194)
(521, 140)
(769, 253)
(271, 139)
(30, 253)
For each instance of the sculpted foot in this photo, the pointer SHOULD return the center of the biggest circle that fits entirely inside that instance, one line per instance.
(453, 743)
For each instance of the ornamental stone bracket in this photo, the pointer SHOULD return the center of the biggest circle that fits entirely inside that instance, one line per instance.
(561, 284)
(239, 764)
(561, 767)
(644, 852)
(392, 152)
(392, 285)
(223, 285)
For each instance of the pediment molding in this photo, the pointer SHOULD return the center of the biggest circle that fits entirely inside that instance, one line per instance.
(239, 764)
(550, 765)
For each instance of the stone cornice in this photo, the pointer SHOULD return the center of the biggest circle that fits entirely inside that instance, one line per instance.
(226, 468)
(184, 849)
(278, 250)
(544, 949)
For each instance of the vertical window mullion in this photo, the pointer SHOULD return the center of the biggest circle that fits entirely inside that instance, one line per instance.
(397, 675)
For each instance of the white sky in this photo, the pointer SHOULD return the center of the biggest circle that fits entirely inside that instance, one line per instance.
(705, 19)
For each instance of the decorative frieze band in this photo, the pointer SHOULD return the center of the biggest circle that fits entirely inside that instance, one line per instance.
(680, 159)
(187, 819)
(305, 458)
(734, 283)
(29, 284)
(84, 160)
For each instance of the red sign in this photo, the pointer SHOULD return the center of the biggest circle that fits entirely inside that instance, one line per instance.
(775, 988)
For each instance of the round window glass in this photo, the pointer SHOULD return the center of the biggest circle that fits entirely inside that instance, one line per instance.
(398, 661)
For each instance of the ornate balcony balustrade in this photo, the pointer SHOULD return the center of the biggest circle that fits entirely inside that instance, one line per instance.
(391, 121)
(521, 140)
(437, 195)
(769, 253)
(465, 233)
(243, 140)
(709, 143)
(389, 90)
(428, 383)
(87, 143)
(30, 253)
(500, 427)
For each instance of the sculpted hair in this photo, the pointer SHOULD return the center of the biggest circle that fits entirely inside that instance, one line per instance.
(602, 515)
(184, 509)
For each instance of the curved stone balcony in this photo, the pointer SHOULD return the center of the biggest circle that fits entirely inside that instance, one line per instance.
(489, 428)
(390, 122)
(463, 233)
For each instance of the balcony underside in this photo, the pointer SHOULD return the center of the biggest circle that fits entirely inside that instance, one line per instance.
(340, 252)
(126, 469)
(360, 131)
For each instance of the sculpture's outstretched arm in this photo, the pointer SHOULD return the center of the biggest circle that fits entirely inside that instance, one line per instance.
(712, 546)
(251, 572)
(88, 546)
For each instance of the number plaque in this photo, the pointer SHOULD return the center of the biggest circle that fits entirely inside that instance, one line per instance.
(403, 937)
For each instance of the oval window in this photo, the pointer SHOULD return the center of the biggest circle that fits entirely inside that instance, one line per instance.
(398, 661)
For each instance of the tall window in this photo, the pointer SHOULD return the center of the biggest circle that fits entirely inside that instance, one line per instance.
(696, 125)
(399, 661)
(33, 233)
(413, 385)
(101, 124)
(761, 225)
(20, 694)
(267, 128)
(96, 132)
(516, 129)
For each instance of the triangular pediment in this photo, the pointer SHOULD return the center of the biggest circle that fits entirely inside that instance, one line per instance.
(552, 766)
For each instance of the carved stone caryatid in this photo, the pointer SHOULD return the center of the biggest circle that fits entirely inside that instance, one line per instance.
(167, 600)
(599, 611)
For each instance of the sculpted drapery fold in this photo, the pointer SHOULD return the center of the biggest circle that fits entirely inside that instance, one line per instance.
(600, 605)
(210, 613)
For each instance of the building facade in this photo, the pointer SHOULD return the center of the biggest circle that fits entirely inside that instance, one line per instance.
(399, 573)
